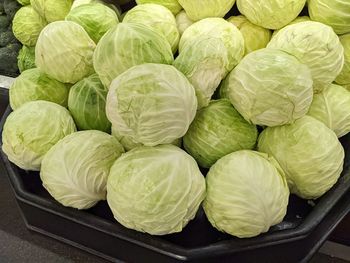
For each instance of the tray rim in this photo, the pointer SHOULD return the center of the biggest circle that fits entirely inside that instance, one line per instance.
(164, 247)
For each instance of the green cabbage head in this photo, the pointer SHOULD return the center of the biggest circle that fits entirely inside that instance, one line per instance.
(26, 58)
(217, 131)
(247, 193)
(33, 84)
(272, 14)
(183, 21)
(315, 45)
(147, 191)
(87, 104)
(95, 18)
(157, 17)
(128, 45)
(335, 13)
(308, 152)
(200, 9)
(64, 51)
(129, 144)
(295, 21)
(76, 169)
(255, 37)
(24, 2)
(31, 130)
(27, 25)
(332, 107)
(172, 5)
(152, 104)
(52, 10)
(218, 28)
(270, 87)
(344, 76)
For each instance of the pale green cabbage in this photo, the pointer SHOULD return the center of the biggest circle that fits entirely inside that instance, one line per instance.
(24, 2)
(218, 28)
(272, 14)
(344, 76)
(87, 104)
(183, 21)
(31, 130)
(217, 131)
(52, 10)
(95, 18)
(26, 58)
(156, 190)
(172, 5)
(308, 152)
(129, 144)
(335, 13)
(205, 64)
(295, 21)
(33, 84)
(157, 17)
(315, 45)
(151, 104)
(76, 169)
(200, 9)
(255, 37)
(128, 45)
(64, 51)
(27, 25)
(247, 193)
(332, 107)
(270, 87)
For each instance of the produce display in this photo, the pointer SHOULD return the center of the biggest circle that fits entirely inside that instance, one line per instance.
(180, 104)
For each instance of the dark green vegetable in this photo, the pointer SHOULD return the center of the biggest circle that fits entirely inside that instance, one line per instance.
(8, 58)
(2, 11)
(4, 21)
(11, 7)
(26, 58)
(7, 38)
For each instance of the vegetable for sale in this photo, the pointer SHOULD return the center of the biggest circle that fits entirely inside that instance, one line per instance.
(344, 76)
(52, 10)
(172, 5)
(147, 191)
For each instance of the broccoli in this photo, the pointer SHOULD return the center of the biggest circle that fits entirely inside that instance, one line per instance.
(11, 7)
(4, 21)
(7, 38)
(2, 11)
(8, 58)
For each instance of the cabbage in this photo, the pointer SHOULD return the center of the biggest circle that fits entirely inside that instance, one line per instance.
(24, 2)
(255, 37)
(151, 104)
(157, 17)
(295, 21)
(64, 51)
(52, 10)
(95, 18)
(217, 131)
(183, 21)
(26, 58)
(270, 87)
(147, 191)
(31, 130)
(87, 104)
(115, 8)
(272, 14)
(347, 86)
(344, 76)
(199, 9)
(216, 28)
(172, 5)
(129, 144)
(33, 84)
(247, 193)
(128, 45)
(335, 13)
(205, 64)
(75, 170)
(332, 107)
(27, 25)
(308, 152)
(315, 45)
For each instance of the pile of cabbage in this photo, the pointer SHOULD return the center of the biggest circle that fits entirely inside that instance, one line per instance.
(126, 108)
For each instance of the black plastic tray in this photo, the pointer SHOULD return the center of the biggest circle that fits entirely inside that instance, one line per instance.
(97, 232)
